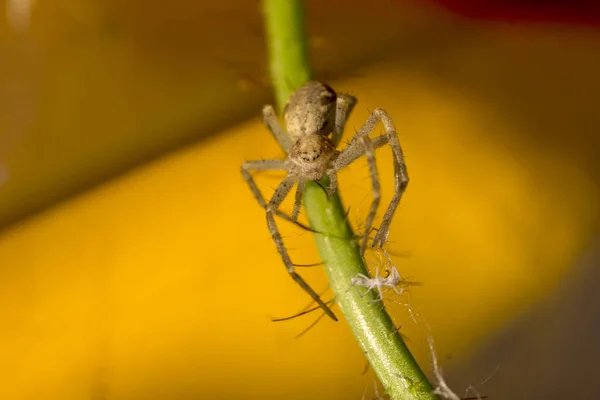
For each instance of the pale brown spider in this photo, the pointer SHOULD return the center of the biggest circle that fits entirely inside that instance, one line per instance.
(311, 114)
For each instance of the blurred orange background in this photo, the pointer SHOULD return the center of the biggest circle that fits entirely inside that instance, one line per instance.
(135, 263)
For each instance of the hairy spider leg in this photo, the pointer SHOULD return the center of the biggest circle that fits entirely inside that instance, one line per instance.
(280, 194)
(355, 150)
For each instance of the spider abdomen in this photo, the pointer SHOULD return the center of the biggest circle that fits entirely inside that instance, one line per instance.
(310, 110)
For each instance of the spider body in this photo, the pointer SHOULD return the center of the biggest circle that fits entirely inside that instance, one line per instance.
(314, 117)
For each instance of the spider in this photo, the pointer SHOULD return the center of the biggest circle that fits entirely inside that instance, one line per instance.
(314, 118)
(379, 283)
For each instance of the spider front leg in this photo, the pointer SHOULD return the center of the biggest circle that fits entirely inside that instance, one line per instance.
(280, 194)
(267, 165)
(354, 150)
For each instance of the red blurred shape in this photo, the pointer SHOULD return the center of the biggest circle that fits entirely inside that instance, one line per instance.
(564, 11)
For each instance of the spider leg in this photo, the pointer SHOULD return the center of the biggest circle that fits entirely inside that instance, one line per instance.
(259, 165)
(298, 201)
(398, 291)
(267, 165)
(370, 153)
(354, 151)
(344, 106)
(280, 194)
(272, 122)
(380, 290)
(363, 277)
(380, 284)
(350, 156)
(400, 177)
(333, 182)
(369, 288)
(364, 281)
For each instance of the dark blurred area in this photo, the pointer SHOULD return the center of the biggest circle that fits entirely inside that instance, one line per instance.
(541, 11)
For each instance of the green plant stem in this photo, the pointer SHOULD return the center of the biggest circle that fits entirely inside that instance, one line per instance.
(383, 346)
(288, 50)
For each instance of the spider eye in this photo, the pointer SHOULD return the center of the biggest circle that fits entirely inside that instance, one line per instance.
(310, 156)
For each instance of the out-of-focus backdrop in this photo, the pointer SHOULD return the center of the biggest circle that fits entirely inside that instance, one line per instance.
(135, 264)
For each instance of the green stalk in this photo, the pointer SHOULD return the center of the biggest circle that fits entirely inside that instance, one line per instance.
(383, 346)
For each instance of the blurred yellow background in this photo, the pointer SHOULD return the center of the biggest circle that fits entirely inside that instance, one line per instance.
(159, 282)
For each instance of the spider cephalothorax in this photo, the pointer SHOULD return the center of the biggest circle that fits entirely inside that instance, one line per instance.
(315, 117)
(311, 156)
